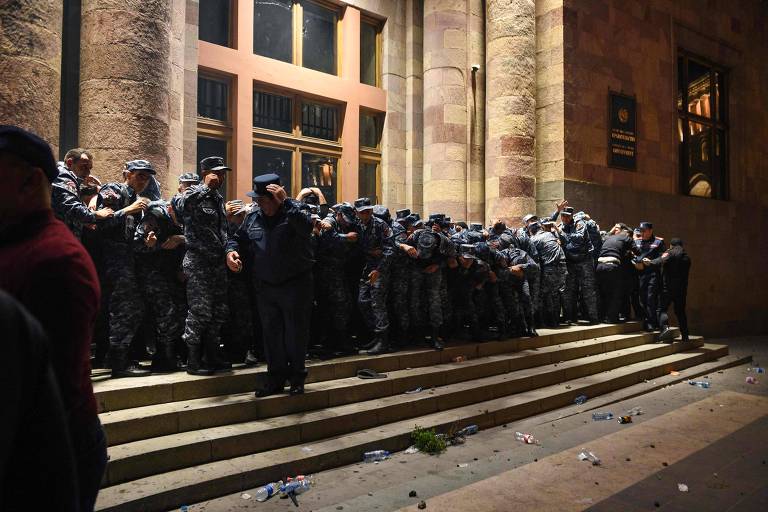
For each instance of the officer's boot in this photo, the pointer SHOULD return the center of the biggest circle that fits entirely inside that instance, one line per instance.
(121, 367)
(164, 359)
(297, 382)
(345, 344)
(437, 339)
(194, 361)
(213, 356)
(380, 345)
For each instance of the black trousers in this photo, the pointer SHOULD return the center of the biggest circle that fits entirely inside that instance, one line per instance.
(285, 310)
(611, 281)
(677, 299)
(649, 298)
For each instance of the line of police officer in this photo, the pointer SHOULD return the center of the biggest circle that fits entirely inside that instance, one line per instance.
(334, 279)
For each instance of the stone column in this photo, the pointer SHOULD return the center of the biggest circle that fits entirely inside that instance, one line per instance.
(30, 64)
(510, 164)
(125, 82)
(445, 107)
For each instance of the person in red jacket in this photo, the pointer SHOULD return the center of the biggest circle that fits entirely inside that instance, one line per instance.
(43, 266)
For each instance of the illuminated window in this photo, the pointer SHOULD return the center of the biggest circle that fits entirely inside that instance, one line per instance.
(702, 129)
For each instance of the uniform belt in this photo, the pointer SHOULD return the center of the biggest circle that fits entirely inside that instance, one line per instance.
(612, 260)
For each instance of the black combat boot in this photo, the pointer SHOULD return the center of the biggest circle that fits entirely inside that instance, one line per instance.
(275, 384)
(667, 335)
(121, 367)
(164, 360)
(214, 359)
(380, 346)
(194, 362)
(437, 340)
(251, 359)
(297, 383)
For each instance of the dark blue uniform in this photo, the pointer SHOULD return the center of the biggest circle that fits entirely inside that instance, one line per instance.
(649, 279)
(278, 256)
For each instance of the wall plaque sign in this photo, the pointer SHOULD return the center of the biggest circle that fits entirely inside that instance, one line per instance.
(622, 131)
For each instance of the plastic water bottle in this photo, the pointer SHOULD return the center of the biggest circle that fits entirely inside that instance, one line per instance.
(526, 438)
(468, 431)
(635, 411)
(591, 457)
(760, 370)
(375, 456)
(700, 383)
(600, 416)
(295, 487)
(269, 490)
(580, 399)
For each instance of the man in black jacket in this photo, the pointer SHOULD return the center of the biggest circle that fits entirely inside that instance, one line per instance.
(276, 241)
(676, 266)
(615, 254)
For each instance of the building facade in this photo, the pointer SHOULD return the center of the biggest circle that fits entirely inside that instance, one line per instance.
(632, 110)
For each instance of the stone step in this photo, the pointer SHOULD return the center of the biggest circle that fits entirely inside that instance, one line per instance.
(194, 484)
(129, 425)
(161, 454)
(117, 394)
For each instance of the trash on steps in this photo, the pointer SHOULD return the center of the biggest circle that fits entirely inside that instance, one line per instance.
(580, 399)
(413, 391)
(411, 449)
(422, 505)
(468, 431)
(370, 374)
(751, 380)
(682, 487)
(635, 411)
(625, 419)
(376, 456)
(527, 438)
(591, 457)
(296, 487)
(246, 496)
(602, 416)
(412, 494)
(458, 359)
(700, 383)
(265, 492)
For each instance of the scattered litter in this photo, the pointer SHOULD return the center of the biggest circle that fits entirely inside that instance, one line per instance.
(422, 505)
(751, 380)
(682, 487)
(296, 487)
(673, 372)
(375, 456)
(265, 492)
(580, 399)
(567, 386)
(635, 411)
(700, 383)
(625, 419)
(469, 430)
(412, 449)
(602, 416)
(458, 359)
(590, 456)
(412, 494)
(414, 391)
(526, 438)
(760, 370)
(306, 449)
(246, 496)
(370, 374)
(184, 508)
(462, 465)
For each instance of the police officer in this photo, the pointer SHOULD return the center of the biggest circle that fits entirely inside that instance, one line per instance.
(676, 265)
(377, 247)
(333, 252)
(186, 180)
(201, 208)
(275, 240)
(615, 253)
(75, 172)
(515, 288)
(548, 242)
(649, 247)
(581, 271)
(400, 281)
(159, 247)
(117, 236)
(471, 274)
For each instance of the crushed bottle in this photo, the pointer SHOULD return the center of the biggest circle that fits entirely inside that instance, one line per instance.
(526, 438)
(625, 419)
(265, 492)
(635, 411)
(468, 431)
(602, 416)
(296, 487)
(700, 383)
(580, 399)
(375, 456)
(590, 456)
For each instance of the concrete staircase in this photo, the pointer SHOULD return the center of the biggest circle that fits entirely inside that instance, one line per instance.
(176, 439)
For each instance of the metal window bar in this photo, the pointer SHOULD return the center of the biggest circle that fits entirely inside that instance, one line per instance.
(272, 111)
(212, 99)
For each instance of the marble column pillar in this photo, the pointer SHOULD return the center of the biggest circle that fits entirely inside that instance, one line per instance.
(30, 64)
(510, 163)
(445, 107)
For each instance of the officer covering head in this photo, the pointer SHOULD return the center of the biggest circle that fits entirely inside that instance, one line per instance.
(190, 178)
(528, 218)
(402, 214)
(427, 245)
(567, 211)
(382, 212)
(476, 226)
(260, 184)
(363, 204)
(347, 212)
(213, 163)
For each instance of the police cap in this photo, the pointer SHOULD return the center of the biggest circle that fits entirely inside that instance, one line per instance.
(401, 214)
(260, 184)
(363, 204)
(139, 165)
(646, 225)
(568, 210)
(189, 177)
(213, 163)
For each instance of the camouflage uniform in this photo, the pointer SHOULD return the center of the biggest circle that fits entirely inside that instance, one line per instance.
(376, 238)
(553, 274)
(427, 286)
(125, 301)
(66, 203)
(157, 270)
(205, 229)
(400, 281)
(516, 292)
(465, 295)
(581, 272)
